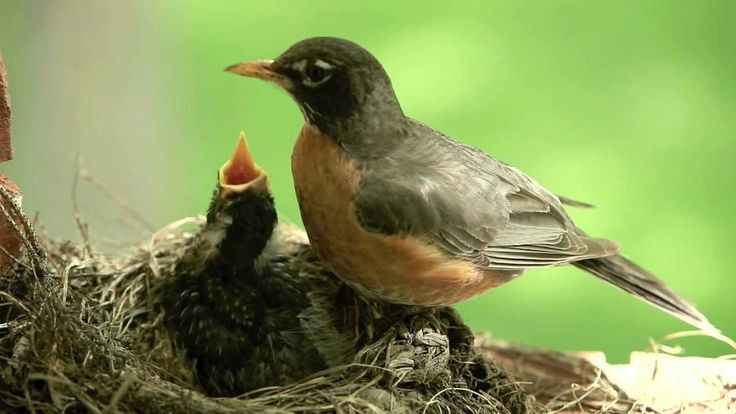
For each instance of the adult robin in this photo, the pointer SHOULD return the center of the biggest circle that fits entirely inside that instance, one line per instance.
(233, 301)
(409, 215)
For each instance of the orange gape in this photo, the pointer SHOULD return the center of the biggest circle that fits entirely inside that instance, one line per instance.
(402, 269)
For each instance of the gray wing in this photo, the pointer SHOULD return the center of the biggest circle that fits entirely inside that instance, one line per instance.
(470, 205)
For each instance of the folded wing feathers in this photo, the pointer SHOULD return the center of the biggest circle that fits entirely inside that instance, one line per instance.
(529, 228)
(538, 236)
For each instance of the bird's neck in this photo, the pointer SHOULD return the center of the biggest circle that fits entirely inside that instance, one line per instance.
(370, 126)
(240, 234)
(368, 133)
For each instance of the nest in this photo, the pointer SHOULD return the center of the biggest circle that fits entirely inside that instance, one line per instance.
(83, 332)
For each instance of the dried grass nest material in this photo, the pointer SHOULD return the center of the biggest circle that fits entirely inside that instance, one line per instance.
(82, 332)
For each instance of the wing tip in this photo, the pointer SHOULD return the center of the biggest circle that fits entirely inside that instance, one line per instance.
(601, 247)
(574, 203)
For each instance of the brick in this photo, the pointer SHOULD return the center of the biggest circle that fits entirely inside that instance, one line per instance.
(9, 239)
(6, 148)
(8, 236)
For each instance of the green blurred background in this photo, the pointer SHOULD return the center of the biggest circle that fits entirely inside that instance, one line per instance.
(629, 105)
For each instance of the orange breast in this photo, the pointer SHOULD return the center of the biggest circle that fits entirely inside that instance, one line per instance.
(398, 269)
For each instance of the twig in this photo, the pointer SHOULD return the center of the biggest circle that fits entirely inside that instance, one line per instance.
(492, 402)
(81, 225)
(84, 174)
(719, 336)
(119, 393)
(590, 388)
(15, 300)
(12, 257)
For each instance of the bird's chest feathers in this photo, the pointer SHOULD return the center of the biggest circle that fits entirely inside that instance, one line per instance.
(326, 182)
(402, 269)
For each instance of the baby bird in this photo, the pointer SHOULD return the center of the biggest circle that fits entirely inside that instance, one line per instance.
(233, 303)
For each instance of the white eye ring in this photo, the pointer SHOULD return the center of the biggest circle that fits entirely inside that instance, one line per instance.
(322, 64)
(323, 69)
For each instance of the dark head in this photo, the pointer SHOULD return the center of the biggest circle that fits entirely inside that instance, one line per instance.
(242, 207)
(337, 84)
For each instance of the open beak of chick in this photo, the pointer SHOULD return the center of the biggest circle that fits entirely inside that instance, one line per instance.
(240, 173)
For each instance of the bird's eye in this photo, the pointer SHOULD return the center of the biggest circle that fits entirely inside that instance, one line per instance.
(316, 73)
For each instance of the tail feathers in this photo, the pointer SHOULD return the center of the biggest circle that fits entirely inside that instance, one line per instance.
(628, 276)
